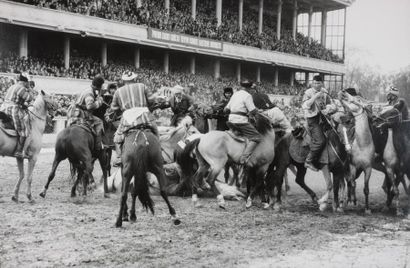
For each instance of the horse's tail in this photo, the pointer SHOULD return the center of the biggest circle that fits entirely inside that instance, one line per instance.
(185, 159)
(140, 171)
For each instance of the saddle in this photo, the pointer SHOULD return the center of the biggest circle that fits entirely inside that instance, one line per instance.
(235, 133)
(6, 124)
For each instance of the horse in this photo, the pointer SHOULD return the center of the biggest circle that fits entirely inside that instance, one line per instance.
(141, 154)
(76, 143)
(399, 132)
(8, 140)
(292, 151)
(362, 148)
(215, 148)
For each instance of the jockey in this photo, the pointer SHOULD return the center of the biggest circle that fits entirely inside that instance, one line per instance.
(278, 120)
(261, 100)
(219, 110)
(133, 100)
(180, 103)
(314, 101)
(88, 101)
(398, 103)
(239, 106)
(16, 102)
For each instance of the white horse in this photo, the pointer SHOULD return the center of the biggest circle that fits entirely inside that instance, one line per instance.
(9, 139)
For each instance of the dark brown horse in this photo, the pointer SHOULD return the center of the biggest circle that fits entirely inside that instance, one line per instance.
(141, 154)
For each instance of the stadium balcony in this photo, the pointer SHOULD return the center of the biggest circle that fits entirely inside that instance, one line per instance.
(88, 26)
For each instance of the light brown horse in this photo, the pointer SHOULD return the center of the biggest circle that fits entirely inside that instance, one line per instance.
(8, 140)
(215, 148)
(363, 151)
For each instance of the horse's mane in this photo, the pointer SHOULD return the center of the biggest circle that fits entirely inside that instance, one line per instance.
(262, 124)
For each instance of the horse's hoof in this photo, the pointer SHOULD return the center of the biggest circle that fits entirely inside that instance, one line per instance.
(367, 212)
(43, 194)
(222, 206)
(15, 199)
(133, 218)
(265, 205)
(118, 224)
(322, 207)
(107, 195)
(30, 199)
(125, 218)
(197, 204)
(276, 207)
(340, 210)
(400, 212)
(248, 203)
(177, 221)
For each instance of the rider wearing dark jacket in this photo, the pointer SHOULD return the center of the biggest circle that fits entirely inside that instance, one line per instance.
(220, 115)
(398, 103)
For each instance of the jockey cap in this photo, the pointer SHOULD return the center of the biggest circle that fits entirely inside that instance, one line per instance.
(128, 76)
(98, 81)
(393, 91)
(23, 77)
(246, 83)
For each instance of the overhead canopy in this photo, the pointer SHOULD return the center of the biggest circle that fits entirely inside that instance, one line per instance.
(319, 5)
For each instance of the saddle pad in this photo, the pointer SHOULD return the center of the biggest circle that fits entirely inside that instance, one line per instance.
(9, 132)
(298, 151)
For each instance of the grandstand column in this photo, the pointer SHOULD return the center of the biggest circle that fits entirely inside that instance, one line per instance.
(323, 28)
(139, 3)
(240, 18)
(260, 21)
(306, 79)
(276, 77)
(310, 23)
(166, 62)
(295, 19)
(193, 9)
(258, 74)
(238, 71)
(23, 43)
(167, 6)
(279, 19)
(66, 52)
(192, 66)
(219, 12)
(292, 78)
(137, 57)
(217, 68)
(104, 53)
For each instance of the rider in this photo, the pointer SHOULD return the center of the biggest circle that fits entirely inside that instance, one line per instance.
(314, 101)
(240, 106)
(180, 103)
(219, 110)
(261, 100)
(88, 101)
(398, 103)
(15, 105)
(130, 98)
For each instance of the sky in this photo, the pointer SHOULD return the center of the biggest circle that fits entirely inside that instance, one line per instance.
(380, 29)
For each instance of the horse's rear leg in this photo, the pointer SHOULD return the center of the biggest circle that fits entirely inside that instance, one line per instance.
(20, 164)
(329, 187)
(104, 159)
(51, 176)
(126, 179)
(213, 174)
(366, 190)
(133, 216)
(300, 180)
(158, 171)
(80, 174)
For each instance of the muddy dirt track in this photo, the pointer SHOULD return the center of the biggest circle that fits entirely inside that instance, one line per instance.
(58, 231)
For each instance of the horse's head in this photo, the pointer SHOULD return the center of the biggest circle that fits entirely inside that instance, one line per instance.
(45, 103)
(350, 103)
(388, 117)
(187, 124)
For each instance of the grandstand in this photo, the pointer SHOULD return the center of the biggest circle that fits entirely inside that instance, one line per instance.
(278, 43)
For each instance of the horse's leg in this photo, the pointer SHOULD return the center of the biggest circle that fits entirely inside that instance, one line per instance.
(337, 177)
(126, 179)
(395, 190)
(103, 160)
(158, 171)
(329, 187)
(80, 173)
(300, 180)
(51, 176)
(20, 165)
(199, 175)
(133, 216)
(213, 174)
(250, 183)
(31, 164)
(367, 173)
(226, 174)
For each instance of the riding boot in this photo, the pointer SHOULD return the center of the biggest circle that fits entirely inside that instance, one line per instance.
(118, 151)
(248, 151)
(20, 147)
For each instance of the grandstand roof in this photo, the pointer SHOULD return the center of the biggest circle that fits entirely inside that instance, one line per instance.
(319, 5)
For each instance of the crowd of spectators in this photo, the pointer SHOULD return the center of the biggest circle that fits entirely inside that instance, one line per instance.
(153, 14)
